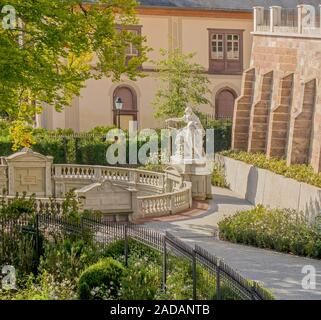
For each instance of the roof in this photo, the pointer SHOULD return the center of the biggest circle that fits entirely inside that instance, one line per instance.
(239, 5)
(230, 5)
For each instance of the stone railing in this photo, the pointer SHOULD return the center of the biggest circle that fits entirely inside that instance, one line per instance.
(301, 21)
(85, 172)
(3, 177)
(170, 196)
(168, 203)
(119, 190)
(42, 205)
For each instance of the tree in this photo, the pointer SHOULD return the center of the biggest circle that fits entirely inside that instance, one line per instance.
(55, 46)
(182, 83)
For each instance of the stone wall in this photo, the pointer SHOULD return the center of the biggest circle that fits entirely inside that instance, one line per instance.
(283, 111)
(260, 186)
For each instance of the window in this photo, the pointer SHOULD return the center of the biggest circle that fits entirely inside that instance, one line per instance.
(233, 45)
(226, 51)
(131, 51)
(217, 46)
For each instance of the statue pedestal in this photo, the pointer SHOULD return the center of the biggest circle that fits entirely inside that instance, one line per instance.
(200, 177)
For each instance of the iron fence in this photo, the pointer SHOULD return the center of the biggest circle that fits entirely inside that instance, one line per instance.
(206, 277)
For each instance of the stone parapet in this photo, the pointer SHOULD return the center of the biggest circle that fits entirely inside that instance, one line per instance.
(260, 186)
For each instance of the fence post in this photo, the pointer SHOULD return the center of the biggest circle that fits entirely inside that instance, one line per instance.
(76, 149)
(164, 265)
(194, 275)
(253, 291)
(37, 239)
(82, 226)
(64, 139)
(218, 280)
(126, 246)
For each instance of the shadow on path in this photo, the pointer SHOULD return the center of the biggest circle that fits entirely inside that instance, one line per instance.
(281, 273)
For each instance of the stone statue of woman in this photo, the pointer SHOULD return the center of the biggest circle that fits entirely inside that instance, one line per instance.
(189, 139)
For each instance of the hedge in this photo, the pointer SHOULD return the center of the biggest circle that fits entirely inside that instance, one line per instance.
(299, 172)
(90, 148)
(281, 230)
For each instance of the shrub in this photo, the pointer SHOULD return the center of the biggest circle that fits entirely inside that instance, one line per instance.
(17, 242)
(101, 280)
(299, 172)
(42, 287)
(222, 131)
(218, 176)
(14, 208)
(141, 280)
(116, 250)
(277, 229)
(179, 280)
(67, 259)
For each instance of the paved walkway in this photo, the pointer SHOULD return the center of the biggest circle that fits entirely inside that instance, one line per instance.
(281, 273)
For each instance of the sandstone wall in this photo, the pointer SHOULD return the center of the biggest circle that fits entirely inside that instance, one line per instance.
(283, 111)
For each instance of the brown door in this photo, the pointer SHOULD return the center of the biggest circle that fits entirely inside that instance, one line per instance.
(129, 110)
(224, 106)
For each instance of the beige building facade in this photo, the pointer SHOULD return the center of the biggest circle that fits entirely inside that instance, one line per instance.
(222, 42)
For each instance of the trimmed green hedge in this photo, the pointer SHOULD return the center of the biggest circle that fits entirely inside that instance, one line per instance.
(299, 172)
(278, 229)
(90, 148)
(105, 275)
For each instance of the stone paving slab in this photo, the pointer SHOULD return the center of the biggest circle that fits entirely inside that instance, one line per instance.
(281, 273)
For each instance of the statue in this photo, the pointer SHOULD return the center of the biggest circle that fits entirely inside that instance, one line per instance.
(188, 140)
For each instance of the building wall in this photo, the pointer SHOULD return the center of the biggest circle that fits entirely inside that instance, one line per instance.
(183, 29)
(285, 115)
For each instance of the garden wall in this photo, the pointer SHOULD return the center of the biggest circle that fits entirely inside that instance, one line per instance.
(260, 186)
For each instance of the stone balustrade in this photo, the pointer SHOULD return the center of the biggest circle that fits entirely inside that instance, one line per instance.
(3, 178)
(42, 205)
(169, 196)
(164, 204)
(301, 21)
(69, 172)
(110, 190)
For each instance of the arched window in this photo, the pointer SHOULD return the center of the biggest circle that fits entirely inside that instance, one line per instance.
(129, 110)
(224, 103)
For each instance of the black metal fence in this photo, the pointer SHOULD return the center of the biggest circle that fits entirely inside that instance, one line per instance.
(206, 276)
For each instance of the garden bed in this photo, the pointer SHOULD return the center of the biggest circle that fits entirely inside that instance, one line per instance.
(261, 186)
(299, 172)
(78, 256)
(281, 230)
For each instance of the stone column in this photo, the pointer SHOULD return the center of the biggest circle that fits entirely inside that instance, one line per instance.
(258, 17)
(300, 17)
(48, 176)
(136, 212)
(275, 17)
